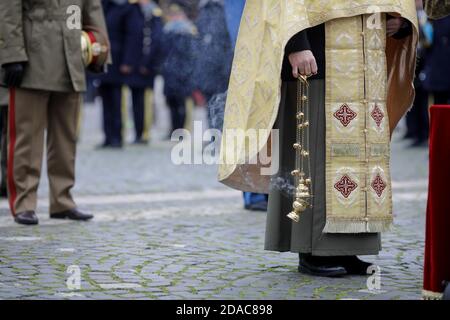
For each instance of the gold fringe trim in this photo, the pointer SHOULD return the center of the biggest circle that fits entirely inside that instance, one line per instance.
(374, 226)
(430, 295)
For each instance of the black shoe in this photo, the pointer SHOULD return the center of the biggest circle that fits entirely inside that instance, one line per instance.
(320, 266)
(354, 265)
(408, 135)
(109, 145)
(73, 214)
(115, 145)
(140, 142)
(27, 218)
(103, 145)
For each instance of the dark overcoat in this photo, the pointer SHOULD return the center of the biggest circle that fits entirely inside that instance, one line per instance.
(125, 23)
(180, 38)
(214, 50)
(437, 67)
(151, 51)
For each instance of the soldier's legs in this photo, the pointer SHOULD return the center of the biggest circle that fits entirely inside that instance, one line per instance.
(106, 114)
(27, 122)
(138, 95)
(63, 111)
(423, 127)
(116, 115)
(112, 113)
(441, 97)
(412, 122)
(148, 113)
(177, 105)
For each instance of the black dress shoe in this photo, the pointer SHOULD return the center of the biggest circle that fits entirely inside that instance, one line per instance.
(409, 135)
(320, 266)
(140, 142)
(103, 145)
(27, 218)
(115, 145)
(73, 214)
(354, 265)
(109, 145)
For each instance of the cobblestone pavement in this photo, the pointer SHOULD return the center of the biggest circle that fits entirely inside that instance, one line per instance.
(167, 232)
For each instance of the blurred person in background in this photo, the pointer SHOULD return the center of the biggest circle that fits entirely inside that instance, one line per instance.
(190, 7)
(437, 67)
(179, 38)
(4, 100)
(233, 13)
(125, 24)
(144, 70)
(214, 52)
(417, 120)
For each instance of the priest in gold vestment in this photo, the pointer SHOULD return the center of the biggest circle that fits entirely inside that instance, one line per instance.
(360, 58)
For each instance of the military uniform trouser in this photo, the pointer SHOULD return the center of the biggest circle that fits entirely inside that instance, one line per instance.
(142, 108)
(31, 113)
(112, 112)
(177, 105)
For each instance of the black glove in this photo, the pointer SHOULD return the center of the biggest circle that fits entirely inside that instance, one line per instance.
(14, 73)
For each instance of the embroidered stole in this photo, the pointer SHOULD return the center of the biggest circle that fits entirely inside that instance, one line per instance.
(358, 182)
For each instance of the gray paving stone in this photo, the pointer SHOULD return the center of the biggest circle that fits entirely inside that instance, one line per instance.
(149, 231)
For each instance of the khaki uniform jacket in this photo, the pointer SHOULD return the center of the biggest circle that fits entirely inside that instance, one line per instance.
(42, 34)
(437, 9)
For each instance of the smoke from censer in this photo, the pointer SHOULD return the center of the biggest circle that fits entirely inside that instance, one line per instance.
(283, 183)
(216, 108)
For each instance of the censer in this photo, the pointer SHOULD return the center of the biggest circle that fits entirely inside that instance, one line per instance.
(302, 172)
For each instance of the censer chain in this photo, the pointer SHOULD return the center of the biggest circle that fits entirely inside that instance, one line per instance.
(302, 178)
